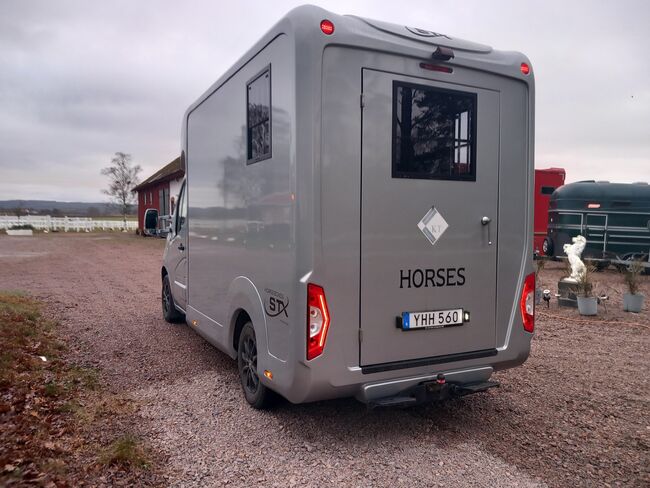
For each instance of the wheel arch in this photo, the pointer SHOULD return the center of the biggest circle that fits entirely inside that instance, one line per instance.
(239, 319)
(245, 304)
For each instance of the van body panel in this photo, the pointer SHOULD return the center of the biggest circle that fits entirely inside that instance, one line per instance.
(241, 213)
(323, 208)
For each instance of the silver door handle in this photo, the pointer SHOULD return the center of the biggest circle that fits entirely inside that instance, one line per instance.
(486, 221)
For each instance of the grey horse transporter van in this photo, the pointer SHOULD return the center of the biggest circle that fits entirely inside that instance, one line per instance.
(356, 218)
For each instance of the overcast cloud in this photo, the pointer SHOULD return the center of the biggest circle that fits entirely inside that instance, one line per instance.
(80, 80)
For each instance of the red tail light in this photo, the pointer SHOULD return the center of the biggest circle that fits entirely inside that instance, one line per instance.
(318, 320)
(525, 69)
(527, 303)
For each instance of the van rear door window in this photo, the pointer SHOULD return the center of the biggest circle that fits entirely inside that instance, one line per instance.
(258, 117)
(434, 133)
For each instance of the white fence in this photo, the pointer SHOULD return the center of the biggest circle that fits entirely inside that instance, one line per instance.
(65, 224)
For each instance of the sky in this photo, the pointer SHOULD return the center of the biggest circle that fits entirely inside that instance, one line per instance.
(80, 80)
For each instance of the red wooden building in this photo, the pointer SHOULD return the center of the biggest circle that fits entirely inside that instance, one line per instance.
(160, 190)
(546, 181)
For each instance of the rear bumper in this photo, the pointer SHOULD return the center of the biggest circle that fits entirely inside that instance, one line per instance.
(326, 378)
(378, 390)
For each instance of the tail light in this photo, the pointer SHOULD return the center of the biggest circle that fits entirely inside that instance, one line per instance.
(527, 303)
(318, 320)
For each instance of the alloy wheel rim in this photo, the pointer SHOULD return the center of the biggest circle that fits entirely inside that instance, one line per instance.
(249, 376)
(166, 297)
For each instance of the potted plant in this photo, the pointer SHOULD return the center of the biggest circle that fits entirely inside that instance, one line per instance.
(633, 301)
(587, 302)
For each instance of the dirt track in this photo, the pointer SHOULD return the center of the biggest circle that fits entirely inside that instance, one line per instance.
(576, 414)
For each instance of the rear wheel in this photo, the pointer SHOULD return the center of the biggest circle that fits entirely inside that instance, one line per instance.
(257, 395)
(170, 313)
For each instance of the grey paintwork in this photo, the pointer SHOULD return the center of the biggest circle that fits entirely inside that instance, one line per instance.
(323, 210)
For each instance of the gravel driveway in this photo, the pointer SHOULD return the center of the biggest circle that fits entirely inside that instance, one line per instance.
(576, 414)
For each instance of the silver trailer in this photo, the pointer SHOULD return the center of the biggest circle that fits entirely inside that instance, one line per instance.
(357, 213)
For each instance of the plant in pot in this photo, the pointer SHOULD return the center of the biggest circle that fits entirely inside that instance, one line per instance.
(587, 302)
(633, 301)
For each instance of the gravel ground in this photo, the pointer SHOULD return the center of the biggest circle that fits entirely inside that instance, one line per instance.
(576, 414)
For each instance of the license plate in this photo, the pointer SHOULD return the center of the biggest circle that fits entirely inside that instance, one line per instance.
(432, 320)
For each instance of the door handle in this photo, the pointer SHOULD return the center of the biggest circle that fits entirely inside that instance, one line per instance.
(486, 221)
(181, 247)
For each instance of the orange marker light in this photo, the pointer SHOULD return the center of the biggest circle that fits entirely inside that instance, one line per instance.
(268, 374)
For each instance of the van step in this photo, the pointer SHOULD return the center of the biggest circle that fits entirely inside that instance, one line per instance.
(466, 389)
(396, 401)
(432, 391)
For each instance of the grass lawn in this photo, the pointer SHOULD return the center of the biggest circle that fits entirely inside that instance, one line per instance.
(58, 427)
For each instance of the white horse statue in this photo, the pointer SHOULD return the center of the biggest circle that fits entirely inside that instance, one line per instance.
(573, 252)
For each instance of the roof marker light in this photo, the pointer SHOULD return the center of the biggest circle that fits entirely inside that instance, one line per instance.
(525, 69)
(327, 27)
(593, 205)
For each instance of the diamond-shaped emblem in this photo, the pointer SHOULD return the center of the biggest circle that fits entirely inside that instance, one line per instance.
(433, 225)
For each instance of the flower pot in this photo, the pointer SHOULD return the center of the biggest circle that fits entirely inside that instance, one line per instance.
(632, 303)
(587, 305)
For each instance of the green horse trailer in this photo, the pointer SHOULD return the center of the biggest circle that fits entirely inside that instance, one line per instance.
(613, 217)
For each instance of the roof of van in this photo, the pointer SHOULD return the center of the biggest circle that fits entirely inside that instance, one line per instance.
(303, 25)
(602, 191)
(423, 35)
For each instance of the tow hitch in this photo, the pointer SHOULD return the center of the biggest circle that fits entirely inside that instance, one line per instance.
(433, 391)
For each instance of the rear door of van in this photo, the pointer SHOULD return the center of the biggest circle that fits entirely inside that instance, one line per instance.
(429, 195)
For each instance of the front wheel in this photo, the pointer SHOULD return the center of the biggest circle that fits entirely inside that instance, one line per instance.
(170, 313)
(257, 395)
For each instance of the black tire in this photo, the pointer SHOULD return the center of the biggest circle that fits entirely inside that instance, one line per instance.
(170, 312)
(547, 247)
(257, 395)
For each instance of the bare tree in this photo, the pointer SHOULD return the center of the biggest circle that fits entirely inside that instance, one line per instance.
(123, 176)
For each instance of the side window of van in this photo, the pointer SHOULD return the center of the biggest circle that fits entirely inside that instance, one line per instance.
(547, 190)
(258, 117)
(181, 213)
(434, 133)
